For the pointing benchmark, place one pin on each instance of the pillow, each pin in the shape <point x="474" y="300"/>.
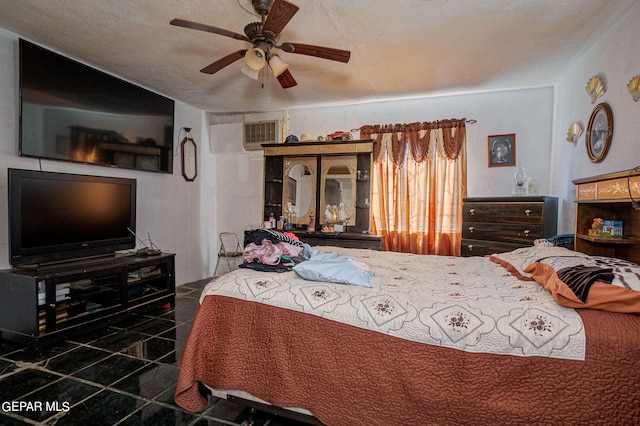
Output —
<point x="594" y="282"/>
<point x="518" y="260"/>
<point x="577" y="280"/>
<point x="334" y="268"/>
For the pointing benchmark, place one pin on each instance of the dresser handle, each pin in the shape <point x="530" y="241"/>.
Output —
<point x="472" y="211"/>
<point x="470" y="247"/>
<point x="526" y="232"/>
<point x="527" y="212"/>
<point x="471" y="228"/>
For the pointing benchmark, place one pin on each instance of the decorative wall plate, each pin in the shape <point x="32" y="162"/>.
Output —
<point x="599" y="132"/>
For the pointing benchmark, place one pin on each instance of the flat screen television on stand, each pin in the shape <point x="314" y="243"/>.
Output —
<point x="57" y="217"/>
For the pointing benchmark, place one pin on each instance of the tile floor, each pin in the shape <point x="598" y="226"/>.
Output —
<point x="124" y="374"/>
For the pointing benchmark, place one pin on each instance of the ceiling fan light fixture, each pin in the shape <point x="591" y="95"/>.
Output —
<point x="278" y="66"/>
<point x="250" y="72"/>
<point x="263" y="36"/>
<point x="255" y="58"/>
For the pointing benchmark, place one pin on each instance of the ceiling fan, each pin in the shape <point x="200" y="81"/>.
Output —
<point x="263" y="35"/>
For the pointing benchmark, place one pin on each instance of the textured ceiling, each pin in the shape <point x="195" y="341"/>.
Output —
<point x="399" y="48"/>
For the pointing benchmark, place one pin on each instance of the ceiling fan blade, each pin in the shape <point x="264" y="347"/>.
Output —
<point x="223" y="62"/>
<point x="208" y="28"/>
<point x="317" y="51"/>
<point x="286" y="80"/>
<point x="279" y="16"/>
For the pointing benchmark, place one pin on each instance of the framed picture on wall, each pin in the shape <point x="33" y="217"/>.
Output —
<point x="599" y="132"/>
<point x="502" y="150"/>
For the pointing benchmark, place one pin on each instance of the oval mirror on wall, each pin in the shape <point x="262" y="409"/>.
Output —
<point x="299" y="192"/>
<point x="338" y="187"/>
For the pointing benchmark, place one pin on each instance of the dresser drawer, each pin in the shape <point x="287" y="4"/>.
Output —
<point x="503" y="212"/>
<point x="499" y="224"/>
<point x="470" y="247"/>
<point x="373" y="244"/>
<point x="520" y="233"/>
<point x="342" y="239"/>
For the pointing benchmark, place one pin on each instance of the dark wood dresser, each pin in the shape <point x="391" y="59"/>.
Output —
<point x="500" y="224"/>
<point x="338" y="239"/>
<point x="342" y="239"/>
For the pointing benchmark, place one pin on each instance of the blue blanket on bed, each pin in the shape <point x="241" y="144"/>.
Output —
<point x="335" y="268"/>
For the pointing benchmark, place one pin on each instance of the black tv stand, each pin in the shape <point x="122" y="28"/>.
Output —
<point x="48" y="304"/>
<point x="45" y="266"/>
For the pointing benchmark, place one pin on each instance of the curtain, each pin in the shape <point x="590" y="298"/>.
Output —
<point x="418" y="182"/>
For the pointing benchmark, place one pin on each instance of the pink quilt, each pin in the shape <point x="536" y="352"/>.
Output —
<point x="347" y="374"/>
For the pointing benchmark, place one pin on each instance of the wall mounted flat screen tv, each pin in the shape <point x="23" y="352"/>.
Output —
<point x="55" y="217"/>
<point x="72" y="112"/>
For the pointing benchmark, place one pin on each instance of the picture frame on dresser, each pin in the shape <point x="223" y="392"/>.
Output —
<point x="502" y="150"/>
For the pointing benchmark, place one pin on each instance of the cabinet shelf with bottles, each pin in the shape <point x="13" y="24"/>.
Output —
<point x="345" y="162"/>
<point x="273" y="187"/>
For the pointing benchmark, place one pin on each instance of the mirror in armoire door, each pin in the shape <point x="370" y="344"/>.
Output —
<point x="299" y="189"/>
<point x="338" y="188"/>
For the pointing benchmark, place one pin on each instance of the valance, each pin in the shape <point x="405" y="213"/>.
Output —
<point x="418" y="137"/>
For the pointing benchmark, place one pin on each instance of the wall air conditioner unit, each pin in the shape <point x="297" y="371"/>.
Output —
<point x="259" y="132"/>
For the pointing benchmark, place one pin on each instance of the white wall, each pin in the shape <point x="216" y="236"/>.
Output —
<point x="526" y="112"/>
<point x="615" y="57"/>
<point x="169" y="208"/>
<point x="540" y="118"/>
<point x="185" y="218"/>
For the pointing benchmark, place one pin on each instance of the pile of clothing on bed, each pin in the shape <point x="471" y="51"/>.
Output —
<point x="272" y="251"/>
<point x="267" y="250"/>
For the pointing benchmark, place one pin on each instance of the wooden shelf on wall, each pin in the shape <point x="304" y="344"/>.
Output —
<point x="608" y="240"/>
<point x="318" y="148"/>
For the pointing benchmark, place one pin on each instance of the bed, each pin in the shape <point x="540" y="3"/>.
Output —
<point x="436" y="340"/>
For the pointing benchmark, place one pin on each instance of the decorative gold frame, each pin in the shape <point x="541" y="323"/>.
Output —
<point x="599" y="132"/>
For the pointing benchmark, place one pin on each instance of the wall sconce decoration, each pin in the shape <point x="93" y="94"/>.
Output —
<point x="595" y="88"/>
<point x="188" y="149"/>
<point x="634" y="87"/>
<point x="574" y="132"/>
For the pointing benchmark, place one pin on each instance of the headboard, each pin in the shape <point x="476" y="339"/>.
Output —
<point x="612" y="196"/>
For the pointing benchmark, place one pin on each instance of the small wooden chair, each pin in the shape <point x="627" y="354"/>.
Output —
<point x="228" y="251"/>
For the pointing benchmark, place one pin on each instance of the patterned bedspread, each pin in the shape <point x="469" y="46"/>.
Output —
<point x="470" y="304"/>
